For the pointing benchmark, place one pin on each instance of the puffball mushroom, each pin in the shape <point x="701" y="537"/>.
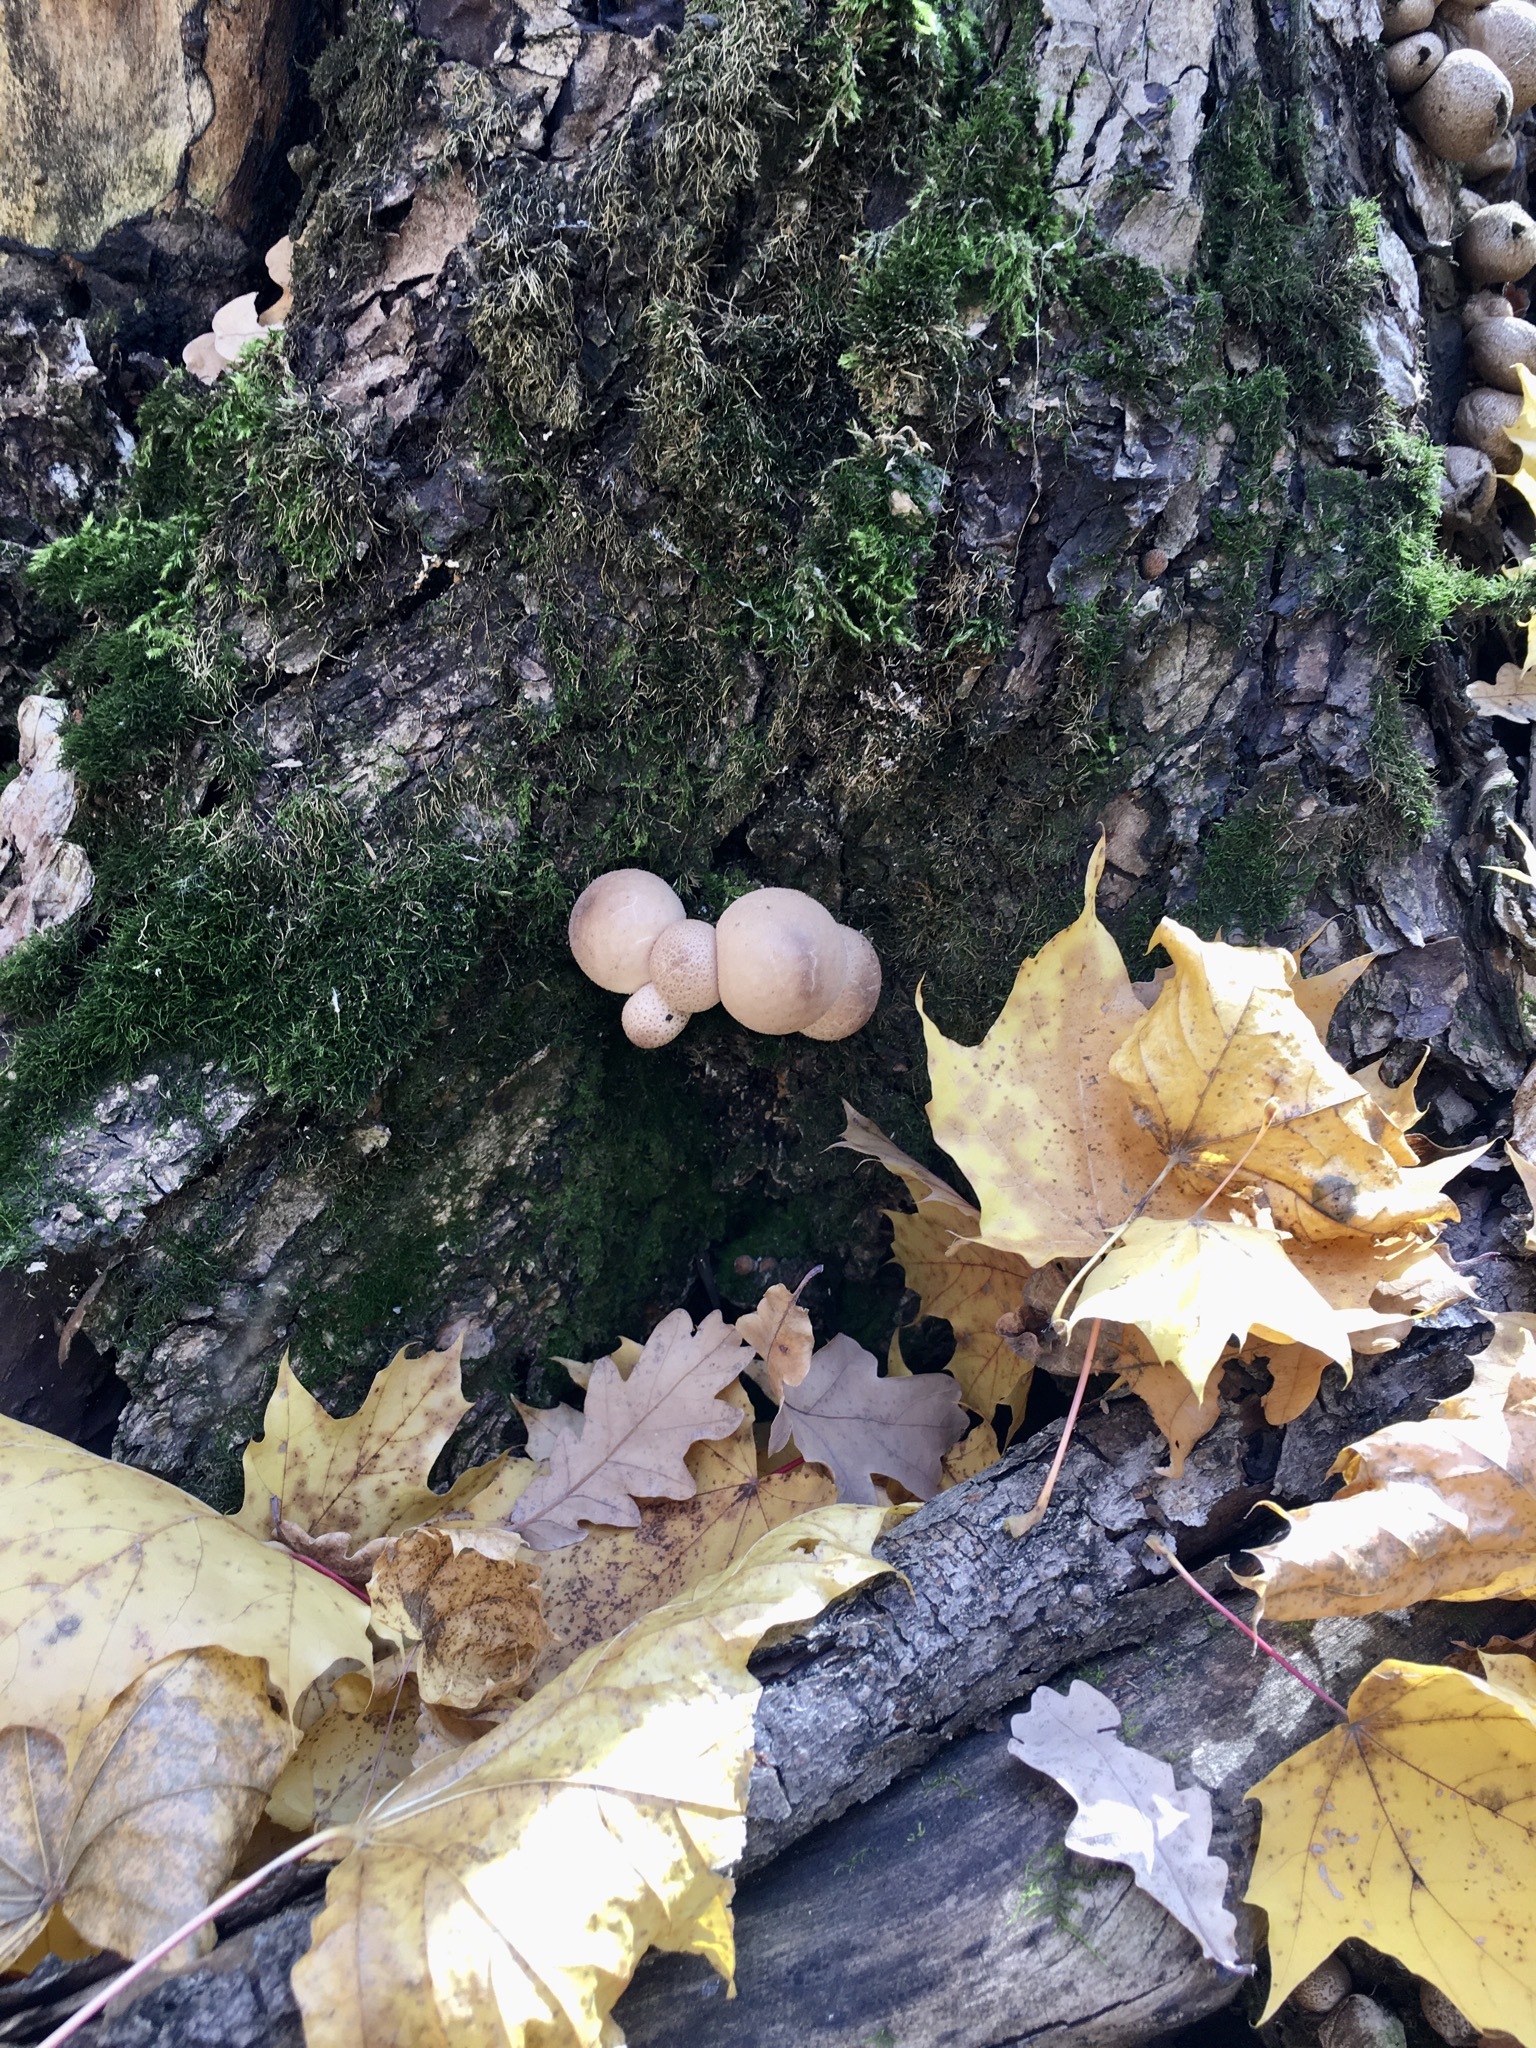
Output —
<point x="781" y="959"/>
<point x="1463" y="108"/>
<point x="1498" y="244"/>
<point x="615" y="922"/>
<point x="1410" y="62"/>
<point x="1496" y="346"/>
<point x="1497" y="161"/>
<point x="1405" y="18"/>
<point x="234" y="324"/>
<point x="861" y="992"/>
<point x="1506" y="32"/>
<point x="1482" y="420"/>
<point x="202" y="358"/>
<point x="683" y="966"/>
<point x="1484" y="306"/>
<point x="649" y="1019"/>
<point x="1468" y="488"/>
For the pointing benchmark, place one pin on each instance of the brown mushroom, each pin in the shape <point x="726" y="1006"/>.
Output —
<point x="649" y="1019"/>
<point x="614" y="924"/>
<point x="1401" y="18"/>
<point x="1410" y="62"/>
<point x="1464" y="107"/>
<point x="1498" y="244"/>
<point x="781" y="960"/>
<point x="683" y="966"/>
<point x="1485" y="305"/>
<point x="1496" y="346"/>
<point x="1482" y="420"/>
<point x="861" y="992"/>
<point x="1327" y="1986"/>
<point x="1468" y="488"/>
<point x="1497" y="161"/>
<point x="1506" y="32"/>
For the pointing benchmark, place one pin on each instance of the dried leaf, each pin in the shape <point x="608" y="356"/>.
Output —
<point x="595" y="1588"/>
<point x="477" y="1619"/>
<point x="1038" y="1127"/>
<point x="546" y="1426"/>
<point x="1526" y="1169"/>
<point x="624" y="1355"/>
<point x="923" y="1185"/>
<point x="846" y="1417"/>
<point x="1409" y="1826"/>
<point x="505" y="1893"/>
<point x="346" y="1758"/>
<point x="1511" y="694"/>
<point x="147" y="1827"/>
<point x="104" y="1570"/>
<point x="1182" y="1416"/>
<point x="1131" y="1811"/>
<point x="973" y="1454"/>
<point x="636" y="1433"/>
<point x="1443" y="1509"/>
<point x="779" y="1331"/>
<point x="1319" y="995"/>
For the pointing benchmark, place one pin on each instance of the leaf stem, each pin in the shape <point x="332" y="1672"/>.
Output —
<point x="1020" y="1525"/>
<point x="1160" y="1549"/>
<point x="84" y="2014"/>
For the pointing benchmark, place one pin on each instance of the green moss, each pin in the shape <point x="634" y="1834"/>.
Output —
<point x="112" y="569"/>
<point x="1256" y="868"/>
<point x="868" y="541"/>
<point x="37" y="977"/>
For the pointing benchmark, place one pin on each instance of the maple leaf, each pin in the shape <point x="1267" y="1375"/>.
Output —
<point x="349" y="1755"/>
<point x="1319" y="995"/>
<point x="779" y="1331"/>
<point x="1131" y="1811"/>
<point x="1191" y="1286"/>
<point x="361" y="1476"/>
<point x="593" y="1589"/>
<point x="146" y="1827"/>
<point x="477" y="1619"/>
<point x="966" y="1283"/>
<point x="1031" y="1114"/>
<point x="1443" y="1509"/>
<point x="846" y="1417"/>
<point x="973" y="1454"/>
<point x="1523" y="434"/>
<point x="506" y="1892"/>
<point x="1182" y="1416"/>
<point x="636" y="1432"/>
<point x="1410" y="1826"/>
<point x="105" y="1569"/>
<point x="1227" y="1073"/>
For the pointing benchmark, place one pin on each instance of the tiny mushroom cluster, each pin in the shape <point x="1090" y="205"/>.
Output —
<point x="1465" y="71"/>
<point x="777" y="961"/>
<point x="238" y="323"/>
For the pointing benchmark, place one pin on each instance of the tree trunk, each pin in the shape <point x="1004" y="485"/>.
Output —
<point x="795" y="444"/>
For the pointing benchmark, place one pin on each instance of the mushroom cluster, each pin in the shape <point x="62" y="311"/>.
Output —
<point x="237" y="322"/>
<point x="777" y="961"/>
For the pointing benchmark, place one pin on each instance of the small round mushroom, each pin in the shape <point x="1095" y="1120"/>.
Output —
<point x="1401" y="18"/>
<point x="1410" y="62"/>
<point x="202" y="358"/>
<point x="683" y="966"/>
<point x="1447" y="2020"/>
<point x="614" y="924"/>
<point x="1496" y="346"/>
<point x="1484" y="306"/>
<point x="1497" y="161"/>
<point x="1482" y="421"/>
<point x="649" y="1019"/>
<point x="861" y="992"/>
<point x="1361" y="2022"/>
<point x="1463" y="108"/>
<point x="234" y="324"/>
<point x="781" y="960"/>
<point x="1506" y="32"/>
<point x="1498" y="244"/>
<point x="1327" y="1986"/>
<point x="1469" y="486"/>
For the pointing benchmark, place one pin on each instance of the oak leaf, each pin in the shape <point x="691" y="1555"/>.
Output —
<point x="636" y="1432"/>
<point x="846" y="1417"/>
<point x="1511" y="694"/>
<point x="104" y="1570"/>
<point x="146" y="1827"/>
<point x="1032" y="1116"/>
<point x="593" y="1589"/>
<point x="1443" y="1509"/>
<point x="1409" y="1826"/>
<point x="623" y="1355"/>
<point x="506" y="1892"/>
<point x="476" y="1621"/>
<point x="1131" y="1811"/>
<point x="779" y="1331"/>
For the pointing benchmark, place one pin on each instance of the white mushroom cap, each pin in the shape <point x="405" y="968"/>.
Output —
<point x="1506" y="32"/>
<point x="1498" y="244"/>
<point x="1482" y="421"/>
<point x="234" y="325"/>
<point x="683" y="966"/>
<point x="1495" y="162"/>
<point x="861" y="992"/>
<point x="649" y="1020"/>
<point x="614" y="924"/>
<point x="1496" y="346"/>
<point x="781" y="960"/>
<point x="280" y="262"/>
<point x="202" y="358"/>
<point x="1405" y="18"/>
<point x="1410" y="62"/>
<point x="1464" y="108"/>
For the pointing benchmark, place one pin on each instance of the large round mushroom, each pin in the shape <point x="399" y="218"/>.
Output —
<point x="855" y="1005"/>
<point x="616" y="921"/>
<point x="781" y="960"/>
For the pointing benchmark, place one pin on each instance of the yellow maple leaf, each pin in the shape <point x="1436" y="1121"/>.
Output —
<point x="105" y="1569"/>
<point x="1191" y="1286"/>
<point x="1523" y="434"/>
<point x="1031" y="1114"/>
<point x="1413" y="1827"/>
<point x="973" y="1454"/>
<point x="1319" y="995"/>
<point x="505" y="1893"/>
<point x="1182" y="1416"/>
<point x="347" y="1757"/>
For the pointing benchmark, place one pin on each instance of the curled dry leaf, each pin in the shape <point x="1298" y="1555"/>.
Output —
<point x="1410" y="1826"/>
<point x="636" y="1433"/>
<point x="506" y="1892"/>
<point x="477" y="1619"/>
<point x="1130" y="1811"/>
<point x="1443" y="1509"/>
<point x="779" y="1331"/>
<point x="846" y="1417"/>
<point x="146" y="1827"/>
<point x="104" y="1570"/>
